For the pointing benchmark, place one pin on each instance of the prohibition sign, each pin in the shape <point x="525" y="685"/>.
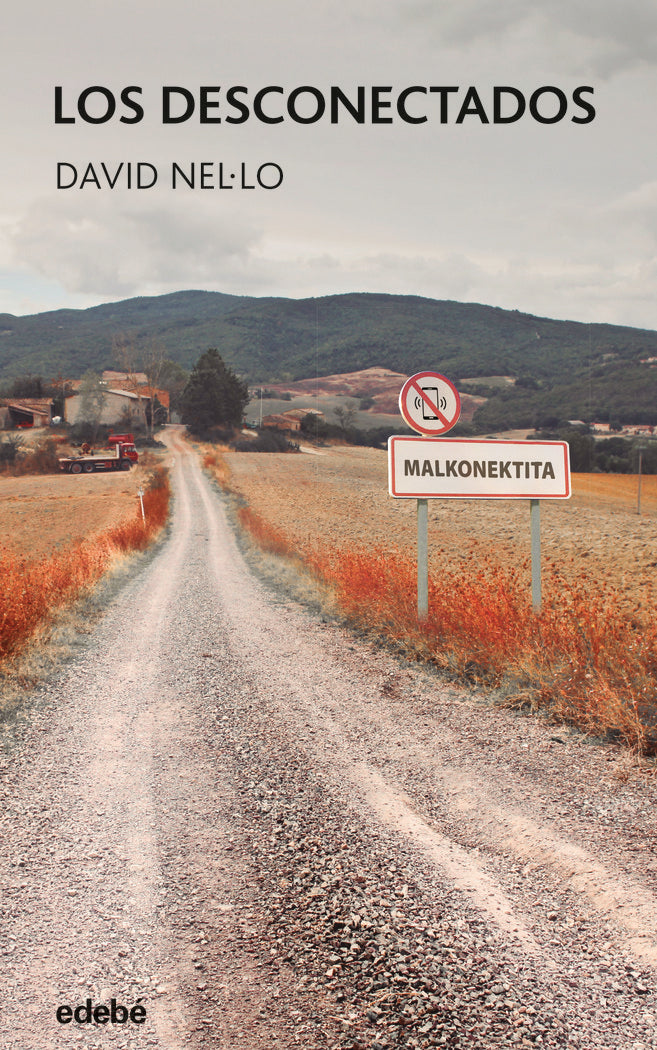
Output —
<point x="430" y="403"/>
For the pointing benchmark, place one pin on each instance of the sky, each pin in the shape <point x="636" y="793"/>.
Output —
<point x="557" y="219"/>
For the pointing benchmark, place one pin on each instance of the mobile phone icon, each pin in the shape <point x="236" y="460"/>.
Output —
<point x="432" y="392"/>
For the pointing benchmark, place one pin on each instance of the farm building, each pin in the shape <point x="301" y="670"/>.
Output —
<point x="143" y="390"/>
<point x="120" y="406"/>
<point x="135" y="379"/>
<point x="25" y="412"/>
<point x="283" y="421"/>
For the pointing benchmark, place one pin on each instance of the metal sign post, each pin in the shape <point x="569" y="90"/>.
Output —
<point x="422" y="559"/>
<point x="535" y="513"/>
<point x="424" y="468"/>
<point x="431" y="405"/>
<point x="638" y="491"/>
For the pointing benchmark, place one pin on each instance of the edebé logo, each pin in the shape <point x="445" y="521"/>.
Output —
<point x="115" y="1013"/>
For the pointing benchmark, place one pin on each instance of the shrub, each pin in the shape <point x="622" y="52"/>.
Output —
<point x="8" y="452"/>
<point x="267" y="441"/>
<point x="214" y="462"/>
<point x="41" y="460"/>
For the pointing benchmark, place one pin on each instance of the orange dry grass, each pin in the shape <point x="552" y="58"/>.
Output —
<point x="267" y="536"/>
<point x="580" y="658"/>
<point x="33" y="590"/>
<point x="215" y="463"/>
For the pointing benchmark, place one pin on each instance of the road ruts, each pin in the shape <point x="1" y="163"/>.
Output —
<point x="270" y="834"/>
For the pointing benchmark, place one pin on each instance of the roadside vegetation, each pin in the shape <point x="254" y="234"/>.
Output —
<point x="41" y="459"/>
<point x="34" y="590"/>
<point x="586" y="660"/>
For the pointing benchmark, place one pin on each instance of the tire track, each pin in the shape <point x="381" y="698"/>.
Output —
<point x="144" y="852"/>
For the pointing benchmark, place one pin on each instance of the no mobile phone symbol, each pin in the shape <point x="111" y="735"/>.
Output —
<point x="430" y="403"/>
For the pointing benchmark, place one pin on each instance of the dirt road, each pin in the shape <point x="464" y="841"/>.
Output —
<point x="252" y="829"/>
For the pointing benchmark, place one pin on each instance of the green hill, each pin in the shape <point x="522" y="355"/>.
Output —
<point x="566" y="369"/>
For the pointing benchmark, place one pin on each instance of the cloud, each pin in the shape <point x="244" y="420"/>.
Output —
<point x="637" y="211"/>
<point x="114" y="248"/>
<point x="605" y="286"/>
<point x="602" y="37"/>
<point x="603" y="263"/>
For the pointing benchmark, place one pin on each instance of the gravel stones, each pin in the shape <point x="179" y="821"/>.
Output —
<point x="186" y="818"/>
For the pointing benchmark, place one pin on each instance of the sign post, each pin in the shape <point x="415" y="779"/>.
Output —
<point x="430" y="404"/>
<point x="422" y="559"/>
<point x="426" y="468"/>
<point x="535" y="513"/>
<point x="469" y="468"/>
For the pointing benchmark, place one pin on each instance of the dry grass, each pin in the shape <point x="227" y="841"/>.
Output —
<point x="617" y="490"/>
<point x="268" y="537"/>
<point x="582" y="659"/>
<point x="41" y="459"/>
<point x="589" y="658"/>
<point x="215" y="462"/>
<point x="35" y="589"/>
<point x="579" y="658"/>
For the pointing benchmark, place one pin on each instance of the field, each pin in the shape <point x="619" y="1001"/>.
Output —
<point x="41" y="514"/>
<point x="341" y="496"/>
<point x="61" y="533"/>
<point x="381" y="386"/>
<point x="591" y="655"/>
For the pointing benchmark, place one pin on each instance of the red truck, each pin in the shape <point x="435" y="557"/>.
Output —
<point x="120" y="455"/>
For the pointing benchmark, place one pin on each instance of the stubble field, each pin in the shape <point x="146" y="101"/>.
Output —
<point x="339" y="496"/>
<point x="44" y="513"/>
<point x="589" y="658"/>
<point x="60" y="535"/>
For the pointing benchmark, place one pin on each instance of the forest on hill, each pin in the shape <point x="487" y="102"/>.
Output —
<point x="562" y="369"/>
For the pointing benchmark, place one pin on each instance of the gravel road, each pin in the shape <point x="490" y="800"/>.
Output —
<point x="254" y="830"/>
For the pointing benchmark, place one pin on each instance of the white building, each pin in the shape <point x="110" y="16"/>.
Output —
<point x="122" y="407"/>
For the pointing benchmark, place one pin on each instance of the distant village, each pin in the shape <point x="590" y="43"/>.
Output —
<point x="128" y="398"/>
<point x="631" y="430"/>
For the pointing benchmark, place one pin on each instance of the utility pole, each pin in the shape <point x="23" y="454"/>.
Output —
<point x="640" y="449"/>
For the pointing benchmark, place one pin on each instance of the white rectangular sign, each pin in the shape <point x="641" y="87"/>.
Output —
<point x="466" y="468"/>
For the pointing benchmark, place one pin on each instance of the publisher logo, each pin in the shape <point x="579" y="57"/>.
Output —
<point x="115" y="1013"/>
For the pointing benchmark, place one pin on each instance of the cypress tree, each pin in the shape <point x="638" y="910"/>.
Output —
<point x="213" y="396"/>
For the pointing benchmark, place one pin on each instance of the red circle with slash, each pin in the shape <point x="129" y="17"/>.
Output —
<point x="430" y="403"/>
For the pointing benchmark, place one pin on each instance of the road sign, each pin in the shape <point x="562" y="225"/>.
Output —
<point x="466" y="468"/>
<point x="429" y="403"/>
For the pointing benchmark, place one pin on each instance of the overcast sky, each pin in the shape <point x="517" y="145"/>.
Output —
<point x="555" y="219"/>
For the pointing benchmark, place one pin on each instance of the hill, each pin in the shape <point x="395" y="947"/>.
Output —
<point x="562" y="369"/>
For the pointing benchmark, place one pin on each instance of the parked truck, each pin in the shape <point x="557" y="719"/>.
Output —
<point x="120" y="454"/>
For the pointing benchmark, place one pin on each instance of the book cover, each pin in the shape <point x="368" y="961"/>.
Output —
<point x="228" y="818"/>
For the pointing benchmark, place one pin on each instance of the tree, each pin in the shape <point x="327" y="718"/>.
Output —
<point x="28" y="386"/>
<point x="155" y="366"/>
<point x="147" y="360"/>
<point x="173" y="378"/>
<point x="346" y="414"/>
<point x="213" y="396"/>
<point x="125" y="352"/>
